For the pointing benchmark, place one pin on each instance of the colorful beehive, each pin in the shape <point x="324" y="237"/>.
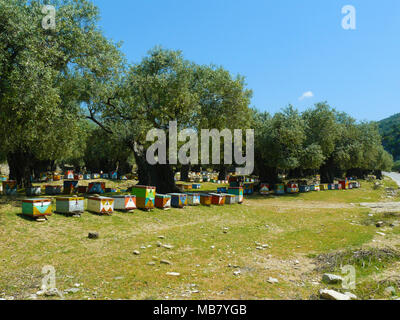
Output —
<point x="238" y="193"/>
<point x="36" y="208"/>
<point x="292" y="188"/>
<point x="111" y="190"/>
<point x="70" y="205"/>
<point x="324" y="187"/>
<point x="236" y="181"/>
<point x="222" y="190"/>
<point x="87" y="176"/>
<point x="304" y="189"/>
<point x="265" y="189"/>
<point x="249" y="188"/>
<point x="56" y="177"/>
<point x="53" y="190"/>
<point x="196" y="186"/>
<point x="344" y="184"/>
<point x="78" y="176"/>
<point x="95" y="176"/>
<point x="205" y="199"/>
<point x="105" y="176"/>
<point x="82" y="189"/>
<point x="217" y="199"/>
<point x="163" y="201"/>
<point x="145" y="197"/>
<point x="354" y="185"/>
<point x="69" y="174"/>
<point x="114" y="175"/>
<point x="101" y="205"/>
<point x="331" y="186"/>
<point x="279" y="189"/>
<point x="338" y="186"/>
<point x="179" y="200"/>
<point x="3" y="178"/>
<point x="229" y="199"/>
<point x="124" y="178"/>
<point x="124" y="203"/>
<point x="33" y="191"/>
<point x="96" y="187"/>
<point x="70" y="186"/>
<point x="315" y="187"/>
<point x="193" y="199"/>
<point x="10" y="187"/>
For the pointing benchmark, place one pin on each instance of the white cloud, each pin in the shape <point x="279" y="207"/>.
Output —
<point x="307" y="95"/>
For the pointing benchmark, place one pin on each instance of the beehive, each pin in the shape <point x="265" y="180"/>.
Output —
<point x="114" y="175"/>
<point x="193" y="199"/>
<point x="124" y="202"/>
<point x="70" y="186"/>
<point x="163" y="201"/>
<point x="56" y="177"/>
<point x="69" y="175"/>
<point x="324" y="187"/>
<point x="36" y="208"/>
<point x="10" y="187"/>
<point x="264" y="189"/>
<point x="178" y="200"/>
<point x="249" y="188"/>
<point x="292" y="188"/>
<point x="105" y="176"/>
<point x="279" y="189"/>
<point x="331" y="186"/>
<point x="230" y="199"/>
<point x="205" y="199"/>
<point x="33" y="191"/>
<point x="53" y="190"/>
<point x="304" y="189"/>
<point x="315" y="187"/>
<point x="78" y="176"/>
<point x="87" y="176"/>
<point x="238" y="193"/>
<point x="101" y="205"/>
<point x="95" y="176"/>
<point x="222" y="190"/>
<point x="70" y="205"/>
<point x="217" y="199"/>
<point x="196" y="186"/>
<point x="338" y="186"/>
<point x="145" y="197"/>
<point x="96" y="188"/>
<point x="344" y="183"/>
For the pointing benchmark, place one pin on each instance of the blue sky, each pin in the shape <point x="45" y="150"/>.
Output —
<point x="284" y="48"/>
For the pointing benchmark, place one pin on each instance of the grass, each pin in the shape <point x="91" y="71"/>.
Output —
<point x="208" y="243"/>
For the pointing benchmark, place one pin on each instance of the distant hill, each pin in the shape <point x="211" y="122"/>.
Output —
<point x="390" y="131"/>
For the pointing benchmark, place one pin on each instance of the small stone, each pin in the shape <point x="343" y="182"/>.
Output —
<point x="136" y="253"/>
<point x="161" y="237"/>
<point x="166" y="262"/>
<point x="169" y="247"/>
<point x="212" y="247"/>
<point x="173" y="274"/>
<point x="72" y="290"/>
<point x="352" y="296"/>
<point x="380" y="224"/>
<point x="52" y="293"/>
<point x="32" y="297"/>
<point x="273" y="280"/>
<point x="331" y="279"/>
<point x="143" y="248"/>
<point x="260" y="248"/>
<point x="151" y="264"/>
<point x="297" y="262"/>
<point x="77" y="285"/>
<point x="381" y="234"/>
<point x="118" y="278"/>
<point x="265" y="246"/>
<point x="390" y="291"/>
<point x="93" y="235"/>
<point x="333" y="295"/>
<point x="237" y="273"/>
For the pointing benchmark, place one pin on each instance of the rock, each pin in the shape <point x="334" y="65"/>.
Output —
<point x="166" y="262"/>
<point x="260" y="248"/>
<point x="380" y="224"/>
<point x="167" y="246"/>
<point x="72" y="291"/>
<point x="273" y="280"/>
<point x="151" y="264"/>
<point x="381" y="234"/>
<point x="93" y="235"/>
<point x="136" y="253"/>
<point x="173" y="274"/>
<point x="52" y="293"/>
<point x="297" y="262"/>
<point x="391" y="291"/>
<point x="161" y="237"/>
<point x="333" y="295"/>
<point x="118" y="278"/>
<point x="32" y="297"/>
<point x="212" y="247"/>
<point x="237" y="273"/>
<point x="331" y="279"/>
<point x="352" y="296"/>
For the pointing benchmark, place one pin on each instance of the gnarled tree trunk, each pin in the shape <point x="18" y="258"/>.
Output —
<point x="21" y="166"/>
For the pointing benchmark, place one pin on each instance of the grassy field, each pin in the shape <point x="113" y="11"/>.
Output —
<point x="225" y="252"/>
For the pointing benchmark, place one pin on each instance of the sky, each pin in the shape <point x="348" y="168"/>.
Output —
<point x="290" y="51"/>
